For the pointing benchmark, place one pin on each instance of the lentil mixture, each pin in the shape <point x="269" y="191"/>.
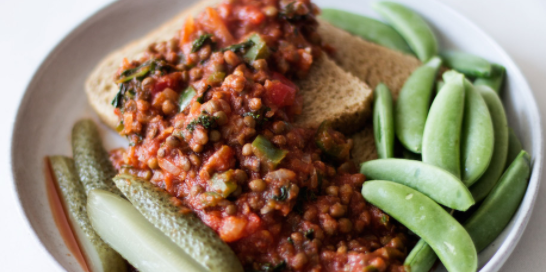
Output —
<point x="209" y="116"/>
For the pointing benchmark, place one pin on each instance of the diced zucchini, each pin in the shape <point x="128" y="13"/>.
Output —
<point x="258" y="51"/>
<point x="224" y="183"/>
<point x="266" y="152"/>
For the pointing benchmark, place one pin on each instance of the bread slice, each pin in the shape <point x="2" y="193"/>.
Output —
<point x="369" y="62"/>
<point x="364" y="145"/>
<point x="329" y="92"/>
<point x="100" y="86"/>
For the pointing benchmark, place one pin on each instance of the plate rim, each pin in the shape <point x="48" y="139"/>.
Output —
<point x="496" y="261"/>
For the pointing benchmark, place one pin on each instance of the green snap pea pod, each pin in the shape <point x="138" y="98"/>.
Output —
<point x="487" y="181"/>
<point x="468" y="64"/>
<point x="421" y="258"/>
<point x="426" y="218"/>
<point x="501" y="204"/>
<point x="514" y="147"/>
<point x="413" y="105"/>
<point x="442" y="135"/>
<point x="98" y="255"/>
<point x="436" y="183"/>
<point x="369" y="29"/>
<point x="411" y="26"/>
<point x="184" y="229"/>
<point x="91" y="159"/>
<point x="383" y="122"/>
<point x="477" y="137"/>
<point x="135" y="238"/>
<point x="495" y="80"/>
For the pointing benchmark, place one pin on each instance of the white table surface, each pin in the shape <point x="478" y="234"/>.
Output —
<point x="30" y="29"/>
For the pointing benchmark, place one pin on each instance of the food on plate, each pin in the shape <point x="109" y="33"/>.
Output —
<point x="134" y="237"/>
<point x="446" y="236"/>
<point x="477" y="136"/>
<point x="490" y="177"/>
<point x="91" y="160"/>
<point x="468" y="64"/>
<point x="411" y="26"/>
<point x="367" y="28"/>
<point x="495" y="80"/>
<point x="99" y="256"/>
<point x="436" y="183"/>
<point x="246" y="121"/>
<point x="383" y="121"/>
<point x="413" y="103"/>
<point x="514" y="147"/>
<point x="442" y="134"/>
<point x="185" y="229"/>
<point x="501" y="204"/>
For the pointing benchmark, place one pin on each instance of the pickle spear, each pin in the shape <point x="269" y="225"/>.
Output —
<point x="98" y="255"/>
<point x="91" y="159"/>
<point x="183" y="228"/>
<point x="143" y="245"/>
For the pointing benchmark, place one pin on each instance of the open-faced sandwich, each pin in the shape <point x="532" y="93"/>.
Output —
<point x="247" y="121"/>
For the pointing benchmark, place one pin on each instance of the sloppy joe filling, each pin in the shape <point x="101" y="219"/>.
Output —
<point x="209" y="117"/>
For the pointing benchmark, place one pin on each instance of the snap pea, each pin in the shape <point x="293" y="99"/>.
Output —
<point x="367" y="28"/>
<point x="411" y="26"/>
<point x="426" y="218"/>
<point x="468" y="64"/>
<point x="185" y="229"/>
<point x="477" y="137"/>
<point x="436" y="183"/>
<point x="442" y="135"/>
<point x="413" y="105"/>
<point x="501" y="204"/>
<point x="495" y="80"/>
<point x="99" y="256"/>
<point x="383" y="123"/>
<point x="91" y="159"/>
<point x="487" y="181"/>
<point x="514" y="147"/>
<point x="421" y="258"/>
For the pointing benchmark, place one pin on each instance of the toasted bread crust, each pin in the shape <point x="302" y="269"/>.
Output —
<point x="342" y="97"/>
<point x="100" y="87"/>
<point x="369" y="62"/>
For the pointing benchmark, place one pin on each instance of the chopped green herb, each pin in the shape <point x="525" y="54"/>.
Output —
<point x="310" y="234"/>
<point x="206" y="121"/>
<point x="289" y="239"/>
<point x="240" y="47"/>
<point x="257" y="51"/>
<point x="144" y="69"/>
<point x="199" y="42"/>
<point x="384" y="219"/>
<point x="283" y="194"/>
<point x="259" y="115"/>
<point x="288" y="13"/>
<point x="186" y="97"/>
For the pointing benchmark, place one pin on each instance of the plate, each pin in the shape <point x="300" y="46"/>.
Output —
<point x="55" y="99"/>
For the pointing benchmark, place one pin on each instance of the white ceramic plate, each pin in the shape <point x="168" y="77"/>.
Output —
<point x="55" y="99"/>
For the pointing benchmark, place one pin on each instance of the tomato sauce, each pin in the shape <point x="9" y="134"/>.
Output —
<point x="209" y="116"/>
